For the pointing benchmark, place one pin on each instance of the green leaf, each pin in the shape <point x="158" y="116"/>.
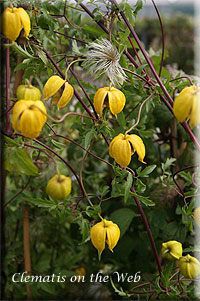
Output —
<point x="94" y="30"/>
<point x="139" y="186"/>
<point x="41" y="203"/>
<point x="147" y="171"/>
<point x="122" y="217"/>
<point x="146" y="201"/>
<point x="84" y="229"/>
<point x="23" y="163"/>
<point x="88" y="138"/>
<point x="138" y="7"/>
<point x="168" y="163"/>
<point x="128" y="184"/>
<point x="10" y="141"/>
<point x="121" y="120"/>
<point x="57" y="144"/>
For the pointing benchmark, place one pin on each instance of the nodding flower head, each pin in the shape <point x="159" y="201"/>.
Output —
<point x="104" y="232"/>
<point x="171" y="250"/>
<point x="103" y="58"/>
<point x="189" y="266"/>
<point x="122" y="147"/>
<point x="187" y="105"/>
<point x="52" y="87"/>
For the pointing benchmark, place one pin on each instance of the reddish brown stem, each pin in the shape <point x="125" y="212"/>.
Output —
<point x="143" y="216"/>
<point x="27" y="257"/>
<point x="163" y="37"/>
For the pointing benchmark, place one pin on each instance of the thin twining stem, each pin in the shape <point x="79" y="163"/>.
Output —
<point x="139" y="113"/>
<point x="70" y="64"/>
<point x="134" y="73"/>
<point x="64" y="161"/>
<point x="81" y="172"/>
<point x="185" y="76"/>
<point x="163" y="37"/>
<point x="79" y="145"/>
<point x="63" y="117"/>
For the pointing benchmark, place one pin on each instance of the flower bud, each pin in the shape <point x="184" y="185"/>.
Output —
<point x="28" y="92"/>
<point x="59" y="187"/>
<point x="29" y="117"/>
<point x="122" y="147"/>
<point x="189" y="266"/>
<point x="104" y="231"/>
<point x="172" y="250"/>
<point x="187" y="105"/>
<point x="109" y="97"/>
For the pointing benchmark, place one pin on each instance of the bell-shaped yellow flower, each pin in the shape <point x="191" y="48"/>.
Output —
<point x="187" y="105"/>
<point x="109" y="97"/>
<point x="59" y="187"/>
<point x="189" y="266"/>
<point x="14" y="20"/>
<point x="197" y="216"/>
<point x="29" y="117"/>
<point x="52" y="87"/>
<point x="104" y="231"/>
<point x="122" y="147"/>
<point x="172" y="250"/>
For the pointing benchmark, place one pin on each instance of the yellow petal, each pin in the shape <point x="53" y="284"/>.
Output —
<point x="98" y="236"/>
<point x="172" y="250"/>
<point x="197" y="216"/>
<point x="99" y="99"/>
<point x="11" y="23"/>
<point x="30" y="124"/>
<point x="137" y="145"/>
<point x="52" y="86"/>
<point x="18" y="108"/>
<point x="183" y="103"/>
<point x="120" y="137"/>
<point x="121" y="151"/>
<point x="25" y="20"/>
<point x="113" y="234"/>
<point x="41" y="109"/>
<point x="189" y="266"/>
<point x="66" y="96"/>
<point x="195" y="113"/>
<point x="116" y="100"/>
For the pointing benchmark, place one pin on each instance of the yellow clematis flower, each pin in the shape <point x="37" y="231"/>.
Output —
<point x="187" y="105"/>
<point x="52" y="86"/>
<point x="29" y="117"/>
<point x="122" y="147"/>
<point x="14" y="20"/>
<point x="109" y="97"/>
<point x="104" y="231"/>
<point x="197" y="216"/>
<point x="189" y="266"/>
<point x="59" y="187"/>
<point x="172" y="250"/>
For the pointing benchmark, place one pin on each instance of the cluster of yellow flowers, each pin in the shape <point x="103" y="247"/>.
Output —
<point x="189" y="265"/>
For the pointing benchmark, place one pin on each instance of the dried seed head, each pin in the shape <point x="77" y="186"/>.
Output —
<point x="103" y="58"/>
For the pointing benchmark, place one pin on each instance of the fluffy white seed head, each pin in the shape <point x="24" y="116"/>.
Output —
<point x="103" y="58"/>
